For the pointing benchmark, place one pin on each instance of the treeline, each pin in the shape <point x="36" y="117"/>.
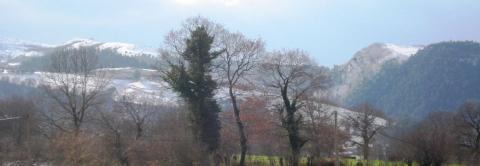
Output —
<point x="441" y="137"/>
<point x="276" y="109"/>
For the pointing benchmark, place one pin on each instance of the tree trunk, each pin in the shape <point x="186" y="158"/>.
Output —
<point x="217" y="159"/>
<point x="227" y="160"/>
<point x="295" y="158"/>
<point x="139" y="131"/>
<point x="296" y="141"/>
<point x="310" y="160"/>
<point x="241" y="132"/>
<point x="76" y="126"/>
<point x="119" y="151"/>
<point x="205" y="159"/>
<point x="409" y="162"/>
<point x="438" y="163"/>
<point x="366" y="150"/>
<point x="425" y="162"/>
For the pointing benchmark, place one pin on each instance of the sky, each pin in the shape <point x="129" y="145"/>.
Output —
<point x="331" y="31"/>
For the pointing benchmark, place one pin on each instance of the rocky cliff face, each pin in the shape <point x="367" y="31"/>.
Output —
<point x="365" y="64"/>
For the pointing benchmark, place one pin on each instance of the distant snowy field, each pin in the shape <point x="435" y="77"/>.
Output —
<point x="123" y="84"/>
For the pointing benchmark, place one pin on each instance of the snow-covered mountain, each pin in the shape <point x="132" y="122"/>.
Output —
<point x="12" y="48"/>
<point x="365" y="64"/>
<point x="125" y="49"/>
<point x="17" y="51"/>
<point x="17" y="55"/>
<point x="441" y="76"/>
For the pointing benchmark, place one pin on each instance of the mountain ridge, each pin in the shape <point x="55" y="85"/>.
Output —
<point x="15" y="47"/>
<point x="365" y="64"/>
<point x="442" y="76"/>
<point x="30" y="56"/>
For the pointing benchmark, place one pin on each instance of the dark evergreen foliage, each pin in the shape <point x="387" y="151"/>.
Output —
<point x="193" y="82"/>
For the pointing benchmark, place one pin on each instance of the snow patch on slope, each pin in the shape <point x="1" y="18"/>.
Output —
<point x="124" y="48"/>
<point x="142" y="88"/>
<point x="403" y="50"/>
<point x="80" y="42"/>
<point x="11" y="48"/>
<point x="365" y="64"/>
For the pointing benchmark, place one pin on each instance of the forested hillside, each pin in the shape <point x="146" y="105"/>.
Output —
<point x="439" y="77"/>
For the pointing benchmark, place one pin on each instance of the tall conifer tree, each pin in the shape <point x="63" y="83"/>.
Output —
<point x="192" y="80"/>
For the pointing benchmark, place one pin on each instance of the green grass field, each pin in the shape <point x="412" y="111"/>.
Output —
<point x="257" y="160"/>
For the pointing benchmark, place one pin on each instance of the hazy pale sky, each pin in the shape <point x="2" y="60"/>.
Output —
<point x="330" y="30"/>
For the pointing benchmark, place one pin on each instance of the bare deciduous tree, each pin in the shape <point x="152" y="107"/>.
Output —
<point x="138" y="108"/>
<point x="291" y="76"/>
<point x="20" y="138"/>
<point x="238" y="60"/>
<point x="367" y="124"/>
<point x="74" y="86"/>
<point x="320" y="128"/>
<point x="433" y="139"/>
<point x="128" y="127"/>
<point x="111" y="121"/>
<point x="467" y="119"/>
<point x="175" y="39"/>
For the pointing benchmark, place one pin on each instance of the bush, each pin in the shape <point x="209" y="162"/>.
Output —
<point x="81" y="149"/>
